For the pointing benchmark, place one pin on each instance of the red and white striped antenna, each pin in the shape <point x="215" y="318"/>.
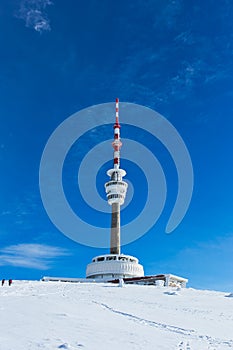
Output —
<point x="117" y="142"/>
<point x="117" y="110"/>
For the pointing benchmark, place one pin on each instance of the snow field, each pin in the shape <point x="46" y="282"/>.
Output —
<point x="55" y="315"/>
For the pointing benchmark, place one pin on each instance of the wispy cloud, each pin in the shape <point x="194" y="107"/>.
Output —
<point x="33" y="12"/>
<point x="37" y="256"/>
<point x="170" y="12"/>
<point x="185" y="37"/>
<point x="186" y="78"/>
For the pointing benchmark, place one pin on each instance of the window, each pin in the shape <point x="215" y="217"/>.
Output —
<point x="101" y="258"/>
<point x="122" y="258"/>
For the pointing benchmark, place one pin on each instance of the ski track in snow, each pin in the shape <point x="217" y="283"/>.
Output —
<point x="148" y="322"/>
<point x="161" y="326"/>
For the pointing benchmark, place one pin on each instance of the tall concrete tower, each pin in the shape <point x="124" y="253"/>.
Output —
<point x="115" y="265"/>
<point x="116" y="188"/>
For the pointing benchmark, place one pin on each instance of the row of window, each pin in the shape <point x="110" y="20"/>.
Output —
<point x="108" y="258"/>
<point x="116" y="183"/>
<point x="115" y="196"/>
<point x="108" y="275"/>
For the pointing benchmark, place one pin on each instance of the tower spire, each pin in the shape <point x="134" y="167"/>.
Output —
<point x="117" y="142"/>
<point x="116" y="188"/>
<point x="117" y="110"/>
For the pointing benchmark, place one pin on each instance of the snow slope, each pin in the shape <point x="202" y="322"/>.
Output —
<point x="53" y="315"/>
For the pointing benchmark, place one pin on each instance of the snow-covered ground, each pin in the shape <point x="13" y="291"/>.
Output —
<point x="53" y="315"/>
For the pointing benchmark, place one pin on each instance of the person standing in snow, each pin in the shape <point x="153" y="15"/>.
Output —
<point x="10" y="282"/>
<point x="3" y="281"/>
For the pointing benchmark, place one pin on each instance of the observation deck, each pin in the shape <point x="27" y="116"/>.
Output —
<point x="116" y="191"/>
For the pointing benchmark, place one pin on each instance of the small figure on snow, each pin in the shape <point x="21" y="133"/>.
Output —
<point x="3" y="281"/>
<point x="10" y="282"/>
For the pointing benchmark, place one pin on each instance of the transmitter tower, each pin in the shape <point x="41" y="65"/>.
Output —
<point x="115" y="265"/>
<point x="116" y="188"/>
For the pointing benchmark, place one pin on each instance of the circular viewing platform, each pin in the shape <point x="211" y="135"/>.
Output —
<point x="116" y="191"/>
<point x="112" y="266"/>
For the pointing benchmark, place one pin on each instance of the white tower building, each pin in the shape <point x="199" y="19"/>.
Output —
<point x="115" y="265"/>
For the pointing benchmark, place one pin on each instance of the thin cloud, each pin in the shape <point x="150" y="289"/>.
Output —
<point x="171" y="12"/>
<point x="33" y="12"/>
<point x="186" y="78"/>
<point x="37" y="256"/>
<point x="185" y="37"/>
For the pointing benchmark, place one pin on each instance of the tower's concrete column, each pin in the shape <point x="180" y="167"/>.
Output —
<point x="115" y="229"/>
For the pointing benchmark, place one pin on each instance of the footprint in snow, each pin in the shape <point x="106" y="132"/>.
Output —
<point x="171" y="293"/>
<point x="64" y="346"/>
<point x="68" y="347"/>
<point x="184" y="346"/>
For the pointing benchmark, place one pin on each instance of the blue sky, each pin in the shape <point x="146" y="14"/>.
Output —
<point x="175" y="57"/>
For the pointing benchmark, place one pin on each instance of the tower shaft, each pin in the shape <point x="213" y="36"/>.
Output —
<point x="115" y="229"/>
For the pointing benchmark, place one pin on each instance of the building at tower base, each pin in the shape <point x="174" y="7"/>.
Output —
<point x="165" y="280"/>
<point x="114" y="266"/>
